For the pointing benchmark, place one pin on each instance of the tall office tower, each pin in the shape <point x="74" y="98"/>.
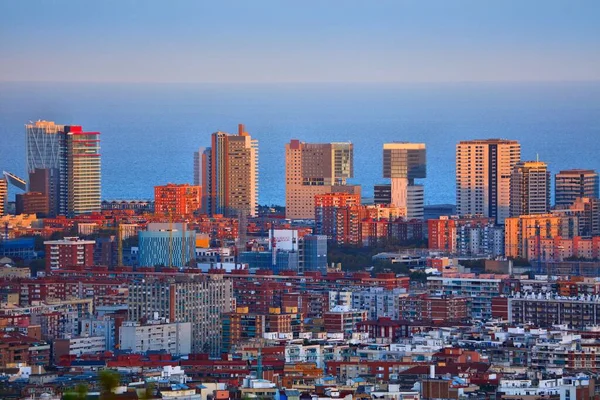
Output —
<point x="574" y="183"/>
<point x="3" y="195"/>
<point x="198" y="299"/>
<point x="72" y="160"/>
<point x="230" y="174"/>
<point x="312" y="169"/>
<point x="82" y="175"/>
<point x="529" y="189"/>
<point x="177" y="200"/>
<point x="45" y="150"/>
<point x="403" y="163"/>
<point x="483" y="171"/>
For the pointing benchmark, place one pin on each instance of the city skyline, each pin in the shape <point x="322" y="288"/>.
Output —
<point x="386" y="41"/>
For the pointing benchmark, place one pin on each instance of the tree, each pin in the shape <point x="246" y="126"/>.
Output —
<point x="80" y="393"/>
<point x="109" y="380"/>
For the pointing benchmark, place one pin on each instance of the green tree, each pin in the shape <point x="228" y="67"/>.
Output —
<point x="80" y="393"/>
<point x="109" y="380"/>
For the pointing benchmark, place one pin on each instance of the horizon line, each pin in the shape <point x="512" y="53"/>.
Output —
<point x="300" y="82"/>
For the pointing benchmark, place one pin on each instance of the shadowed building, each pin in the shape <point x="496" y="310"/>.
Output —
<point x="483" y="171"/>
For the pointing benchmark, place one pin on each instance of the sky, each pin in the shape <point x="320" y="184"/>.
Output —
<point x="261" y="41"/>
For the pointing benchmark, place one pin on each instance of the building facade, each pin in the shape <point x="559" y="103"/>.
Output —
<point x="177" y="200"/>
<point x="529" y="188"/>
<point x="69" y="252"/>
<point x="314" y="169"/>
<point x="337" y="216"/>
<point x="402" y="164"/>
<point x="230" y="174"/>
<point x="483" y="171"/>
<point x="3" y="195"/>
<point x="169" y="245"/>
<point x="312" y="250"/>
<point x="199" y="300"/>
<point x="466" y="236"/>
<point x="574" y="183"/>
<point x="174" y="337"/>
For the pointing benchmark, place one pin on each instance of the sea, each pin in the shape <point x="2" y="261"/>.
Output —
<point x="149" y="132"/>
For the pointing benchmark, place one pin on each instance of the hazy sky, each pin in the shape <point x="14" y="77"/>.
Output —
<point x="299" y="40"/>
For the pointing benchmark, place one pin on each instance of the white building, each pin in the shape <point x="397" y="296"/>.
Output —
<point x="175" y="338"/>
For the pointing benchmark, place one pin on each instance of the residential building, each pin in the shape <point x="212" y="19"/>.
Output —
<point x="483" y="171"/>
<point x="200" y="300"/>
<point x="529" y="188"/>
<point x="315" y="169"/>
<point x="78" y="346"/>
<point x="69" y="252"/>
<point x="342" y="319"/>
<point x="337" y="216"/>
<point x="517" y="231"/>
<point x="156" y="335"/>
<point x="80" y="172"/>
<point x="480" y="289"/>
<point x="466" y="236"/>
<point x="177" y="200"/>
<point x="170" y="245"/>
<point x="587" y="212"/>
<point x="545" y="310"/>
<point x="573" y="183"/>
<point x="403" y="163"/>
<point x="230" y="174"/>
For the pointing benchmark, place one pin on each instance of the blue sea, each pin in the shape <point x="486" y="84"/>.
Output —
<point x="150" y="131"/>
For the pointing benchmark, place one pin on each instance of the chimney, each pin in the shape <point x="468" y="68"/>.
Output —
<point x="241" y="129"/>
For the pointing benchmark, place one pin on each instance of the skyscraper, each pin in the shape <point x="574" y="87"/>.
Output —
<point x="82" y="173"/>
<point x="483" y="171"/>
<point x="403" y="163"/>
<point x="198" y="167"/>
<point x="312" y="169"/>
<point x="529" y="188"/>
<point x="3" y="195"/>
<point x="230" y="174"/>
<point x="64" y="161"/>
<point x="574" y="183"/>
<point x="45" y="152"/>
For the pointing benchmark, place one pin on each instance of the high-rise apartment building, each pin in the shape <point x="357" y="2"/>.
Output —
<point x="312" y="169"/>
<point x="83" y="178"/>
<point x="483" y="171"/>
<point x="529" y="188"/>
<point x="64" y="164"/>
<point x="573" y="183"/>
<point x="338" y="216"/>
<point x="3" y="195"/>
<point x="200" y="300"/>
<point x="230" y="174"/>
<point x="198" y="167"/>
<point x="403" y="163"/>
<point x="177" y="200"/>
